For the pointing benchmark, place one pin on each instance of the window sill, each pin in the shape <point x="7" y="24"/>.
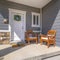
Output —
<point x="35" y="26"/>
<point x="4" y="31"/>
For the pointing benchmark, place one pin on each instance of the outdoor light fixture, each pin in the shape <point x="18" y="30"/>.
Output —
<point x="5" y="21"/>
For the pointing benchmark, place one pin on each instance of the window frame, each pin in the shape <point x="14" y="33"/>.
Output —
<point x="36" y="14"/>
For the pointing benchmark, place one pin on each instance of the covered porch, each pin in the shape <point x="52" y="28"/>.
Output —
<point x="47" y="14"/>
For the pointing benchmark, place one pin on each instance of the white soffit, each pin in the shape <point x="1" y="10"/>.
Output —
<point x="33" y="3"/>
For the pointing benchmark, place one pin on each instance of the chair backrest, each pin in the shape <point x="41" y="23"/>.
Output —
<point x="28" y="33"/>
<point x="52" y="33"/>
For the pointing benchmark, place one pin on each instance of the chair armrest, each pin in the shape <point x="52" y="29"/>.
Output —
<point x="42" y="35"/>
<point x="51" y="37"/>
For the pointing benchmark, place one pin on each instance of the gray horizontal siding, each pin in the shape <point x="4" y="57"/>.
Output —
<point x="56" y="26"/>
<point x="3" y="28"/>
<point x="2" y="25"/>
<point x="58" y="43"/>
<point x="4" y="13"/>
<point x="51" y="18"/>
<point x="29" y="22"/>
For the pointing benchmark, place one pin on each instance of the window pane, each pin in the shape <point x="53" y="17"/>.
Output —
<point x="34" y="19"/>
<point x="37" y="20"/>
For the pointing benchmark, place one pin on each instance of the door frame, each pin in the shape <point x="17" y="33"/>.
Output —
<point x="18" y="11"/>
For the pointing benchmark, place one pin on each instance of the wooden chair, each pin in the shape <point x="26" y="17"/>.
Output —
<point x="50" y="38"/>
<point x="30" y="35"/>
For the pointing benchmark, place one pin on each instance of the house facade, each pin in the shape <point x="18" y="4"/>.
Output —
<point x="47" y="17"/>
<point x="12" y="12"/>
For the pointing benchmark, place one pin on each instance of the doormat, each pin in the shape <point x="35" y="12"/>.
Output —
<point x="45" y="56"/>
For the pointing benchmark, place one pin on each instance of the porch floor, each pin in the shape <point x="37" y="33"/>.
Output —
<point x="21" y="53"/>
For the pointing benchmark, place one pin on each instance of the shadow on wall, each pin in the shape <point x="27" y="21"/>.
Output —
<point x="51" y="14"/>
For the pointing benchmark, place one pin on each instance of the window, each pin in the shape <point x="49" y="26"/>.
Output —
<point x="35" y="20"/>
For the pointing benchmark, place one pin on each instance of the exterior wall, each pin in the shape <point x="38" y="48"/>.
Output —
<point x="51" y="18"/>
<point x="4" y="13"/>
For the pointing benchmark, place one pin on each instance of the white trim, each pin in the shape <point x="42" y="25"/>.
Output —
<point x="4" y="31"/>
<point x="34" y="13"/>
<point x="15" y="10"/>
<point x="18" y="11"/>
<point x="36" y="31"/>
<point x="24" y="12"/>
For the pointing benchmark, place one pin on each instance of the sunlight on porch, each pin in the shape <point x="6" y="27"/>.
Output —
<point x="28" y="51"/>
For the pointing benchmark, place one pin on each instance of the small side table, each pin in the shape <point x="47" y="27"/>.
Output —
<point x="38" y="34"/>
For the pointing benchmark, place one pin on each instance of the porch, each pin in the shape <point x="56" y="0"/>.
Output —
<point x="28" y="52"/>
<point x="16" y="17"/>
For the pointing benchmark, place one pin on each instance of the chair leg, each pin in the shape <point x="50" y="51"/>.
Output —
<point x="54" y="44"/>
<point x="41" y="41"/>
<point x="36" y="41"/>
<point x="28" y="42"/>
<point x="48" y="45"/>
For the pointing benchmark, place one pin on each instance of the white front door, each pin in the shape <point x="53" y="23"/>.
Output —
<point x="17" y="26"/>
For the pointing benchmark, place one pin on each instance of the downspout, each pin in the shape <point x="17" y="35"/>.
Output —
<point x="40" y="20"/>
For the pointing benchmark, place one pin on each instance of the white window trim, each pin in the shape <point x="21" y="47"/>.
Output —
<point x="33" y="13"/>
<point x="35" y="31"/>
